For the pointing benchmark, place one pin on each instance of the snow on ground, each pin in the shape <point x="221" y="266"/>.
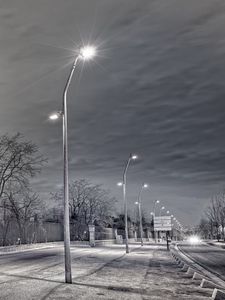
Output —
<point x="106" y="272"/>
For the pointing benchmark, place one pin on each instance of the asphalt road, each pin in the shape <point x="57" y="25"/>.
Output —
<point x="210" y="257"/>
<point x="107" y="273"/>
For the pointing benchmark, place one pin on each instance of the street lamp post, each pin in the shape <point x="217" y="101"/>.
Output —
<point x="162" y="208"/>
<point x="131" y="157"/>
<point x="175" y="229"/>
<point x="160" y="214"/>
<point x="155" y="202"/>
<point x="154" y="207"/>
<point x="85" y="53"/>
<point x="144" y="186"/>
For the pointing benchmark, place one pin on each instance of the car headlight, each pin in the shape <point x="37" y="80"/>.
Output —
<point x="194" y="240"/>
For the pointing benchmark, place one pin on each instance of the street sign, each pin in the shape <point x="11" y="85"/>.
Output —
<point x="162" y="223"/>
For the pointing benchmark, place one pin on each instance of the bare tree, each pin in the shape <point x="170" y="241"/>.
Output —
<point x="23" y="205"/>
<point x="213" y="214"/>
<point x="20" y="160"/>
<point x="89" y="204"/>
<point x="5" y="219"/>
<point x="205" y="229"/>
<point x="216" y="214"/>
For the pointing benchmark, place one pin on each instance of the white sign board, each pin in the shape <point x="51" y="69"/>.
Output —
<point x="163" y="223"/>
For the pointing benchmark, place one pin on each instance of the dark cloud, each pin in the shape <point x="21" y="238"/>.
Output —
<point x="156" y="88"/>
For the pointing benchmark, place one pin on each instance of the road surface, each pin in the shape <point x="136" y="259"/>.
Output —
<point x="106" y="272"/>
<point x="210" y="257"/>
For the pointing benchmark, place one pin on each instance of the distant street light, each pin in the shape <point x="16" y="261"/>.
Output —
<point x="54" y="116"/>
<point x="123" y="183"/>
<point x="154" y="207"/>
<point x="144" y="186"/>
<point x="85" y="53"/>
<point x="168" y="212"/>
<point x="160" y="212"/>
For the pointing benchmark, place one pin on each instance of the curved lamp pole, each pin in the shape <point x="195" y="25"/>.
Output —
<point x="85" y="53"/>
<point x="123" y="184"/>
<point x="144" y="186"/>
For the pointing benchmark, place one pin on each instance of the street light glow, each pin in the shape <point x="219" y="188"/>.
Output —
<point x="87" y="52"/>
<point x="168" y="212"/>
<point x="134" y="156"/>
<point x="119" y="183"/>
<point x="163" y="207"/>
<point x="157" y="201"/>
<point x="145" y="185"/>
<point x="136" y="202"/>
<point x="54" y="116"/>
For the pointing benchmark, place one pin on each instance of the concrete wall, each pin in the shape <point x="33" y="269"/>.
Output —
<point x="53" y="231"/>
<point x="35" y="233"/>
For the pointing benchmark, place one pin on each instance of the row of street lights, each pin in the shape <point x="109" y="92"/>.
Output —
<point x="138" y="202"/>
<point x="153" y="213"/>
<point x="86" y="53"/>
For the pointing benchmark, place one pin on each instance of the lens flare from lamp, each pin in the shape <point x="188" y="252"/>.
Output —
<point x="87" y="52"/>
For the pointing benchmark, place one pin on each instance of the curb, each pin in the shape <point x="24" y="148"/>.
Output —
<point x="218" y="295"/>
<point x="203" y="278"/>
<point x="208" y="284"/>
<point x="205" y="273"/>
<point x="197" y="276"/>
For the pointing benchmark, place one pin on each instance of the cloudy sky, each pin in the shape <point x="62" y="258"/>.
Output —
<point x="156" y="88"/>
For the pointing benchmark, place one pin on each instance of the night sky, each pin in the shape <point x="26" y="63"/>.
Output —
<point x="156" y="88"/>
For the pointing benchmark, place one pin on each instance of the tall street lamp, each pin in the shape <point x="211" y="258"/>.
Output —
<point x="154" y="207"/>
<point x="162" y="208"/>
<point x="85" y="53"/>
<point x="123" y="184"/>
<point x="144" y="186"/>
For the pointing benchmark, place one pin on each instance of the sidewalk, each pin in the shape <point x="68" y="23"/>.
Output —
<point x="145" y="273"/>
<point x="103" y="272"/>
